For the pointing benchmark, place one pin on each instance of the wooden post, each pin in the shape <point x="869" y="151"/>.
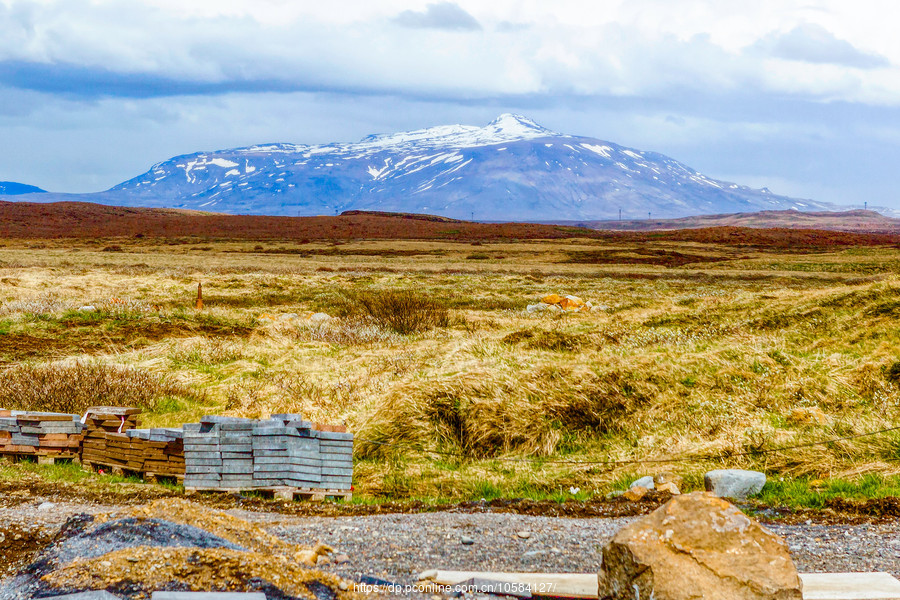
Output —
<point x="199" y="296"/>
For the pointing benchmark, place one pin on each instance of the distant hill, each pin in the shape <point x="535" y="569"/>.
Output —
<point x="11" y="188"/>
<point x="862" y="221"/>
<point x="31" y="220"/>
<point x="512" y="169"/>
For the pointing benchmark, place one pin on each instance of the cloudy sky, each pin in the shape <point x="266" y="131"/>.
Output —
<point x="802" y="96"/>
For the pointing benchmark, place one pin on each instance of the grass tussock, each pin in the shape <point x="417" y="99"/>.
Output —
<point x="73" y="387"/>
<point x="402" y="311"/>
<point x="206" y="352"/>
<point x="346" y="332"/>
<point x="481" y="416"/>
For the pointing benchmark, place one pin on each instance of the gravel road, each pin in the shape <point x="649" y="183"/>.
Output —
<point x="397" y="547"/>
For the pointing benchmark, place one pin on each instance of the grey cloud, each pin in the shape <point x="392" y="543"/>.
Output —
<point x="442" y="15"/>
<point x="87" y="82"/>
<point x="815" y="44"/>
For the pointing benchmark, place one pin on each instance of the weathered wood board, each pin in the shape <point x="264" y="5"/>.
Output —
<point x="816" y="586"/>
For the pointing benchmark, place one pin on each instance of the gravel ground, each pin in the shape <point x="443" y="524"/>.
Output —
<point x="397" y="547"/>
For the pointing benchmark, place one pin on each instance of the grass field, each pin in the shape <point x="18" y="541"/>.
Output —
<point x="694" y="349"/>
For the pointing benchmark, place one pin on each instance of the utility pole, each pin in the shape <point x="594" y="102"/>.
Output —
<point x="620" y="214"/>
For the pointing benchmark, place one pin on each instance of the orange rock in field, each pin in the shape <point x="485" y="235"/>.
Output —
<point x="571" y="303"/>
<point x="635" y="493"/>
<point x="552" y="299"/>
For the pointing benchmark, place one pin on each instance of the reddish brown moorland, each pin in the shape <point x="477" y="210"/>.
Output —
<point x="28" y="220"/>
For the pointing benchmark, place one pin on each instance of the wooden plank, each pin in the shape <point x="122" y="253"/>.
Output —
<point x="551" y="585"/>
<point x="816" y="586"/>
<point x="850" y="586"/>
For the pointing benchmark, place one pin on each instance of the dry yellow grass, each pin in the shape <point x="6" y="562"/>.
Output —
<point x="708" y="358"/>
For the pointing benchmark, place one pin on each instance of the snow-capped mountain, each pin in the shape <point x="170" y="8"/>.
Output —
<point x="511" y="169"/>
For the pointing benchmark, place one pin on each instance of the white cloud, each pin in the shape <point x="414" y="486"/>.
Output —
<point x="101" y="89"/>
<point x="572" y="47"/>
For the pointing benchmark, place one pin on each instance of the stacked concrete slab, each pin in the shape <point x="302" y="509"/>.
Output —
<point x="218" y="453"/>
<point x="336" y="451"/>
<point x="41" y="434"/>
<point x="284" y="451"/>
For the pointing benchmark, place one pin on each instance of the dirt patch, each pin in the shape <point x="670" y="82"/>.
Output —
<point x="98" y="339"/>
<point x="176" y="545"/>
<point x="235" y="530"/>
<point x="16" y="493"/>
<point x="20" y="547"/>
<point x="26" y="488"/>
<point x="136" y="571"/>
<point x="665" y="258"/>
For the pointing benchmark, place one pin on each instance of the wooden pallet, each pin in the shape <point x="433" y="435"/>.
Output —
<point x="156" y="477"/>
<point x="281" y="492"/>
<point x="96" y="466"/>
<point x="42" y="458"/>
<point x="124" y="470"/>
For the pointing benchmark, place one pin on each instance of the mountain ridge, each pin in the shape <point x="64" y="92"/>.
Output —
<point x="14" y="188"/>
<point x="510" y="169"/>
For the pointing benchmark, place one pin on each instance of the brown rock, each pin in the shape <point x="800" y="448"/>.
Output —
<point x="635" y="493"/>
<point x="697" y="546"/>
<point x="809" y="415"/>
<point x="661" y="478"/>
<point x="551" y="299"/>
<point x="670" y="487"/>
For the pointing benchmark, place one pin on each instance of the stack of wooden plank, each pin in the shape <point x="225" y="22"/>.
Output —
<point x="48" y="436"/>
<point x="162" y="450"/>
<point x="106" y="442"/>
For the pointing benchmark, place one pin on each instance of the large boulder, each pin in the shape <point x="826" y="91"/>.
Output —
<point x="697" y="546"/>
<point x="734" y="483"/>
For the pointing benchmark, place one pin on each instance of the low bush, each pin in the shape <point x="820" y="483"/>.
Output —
<point x="403" y="311"/>
<point x="73" y="387"/>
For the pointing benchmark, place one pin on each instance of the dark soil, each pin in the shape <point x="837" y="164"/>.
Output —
<point x="836" y="511"/>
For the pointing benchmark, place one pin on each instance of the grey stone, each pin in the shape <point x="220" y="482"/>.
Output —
<point x="333" y="435"/>
<point x="734" y="483"/>
<point x="646" y="482"/>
